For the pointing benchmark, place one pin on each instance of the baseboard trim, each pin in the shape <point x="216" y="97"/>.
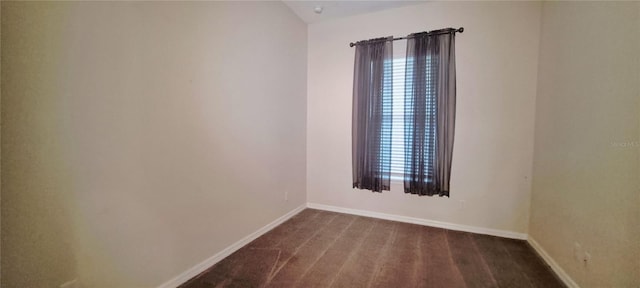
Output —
<point x="552" y="263"/>
<point x="204" y="265"/>
<point x="420" y="221"/>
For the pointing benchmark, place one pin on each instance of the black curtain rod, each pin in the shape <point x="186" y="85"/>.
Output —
<point x="434" y="32"/>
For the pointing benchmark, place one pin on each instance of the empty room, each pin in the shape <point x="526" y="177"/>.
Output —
<point x="202" y="144"/>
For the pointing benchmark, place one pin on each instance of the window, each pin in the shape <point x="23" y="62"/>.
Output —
<point x="396" y="124"/>
<point x="397" y="128"/>
<point x="398" y="116"/>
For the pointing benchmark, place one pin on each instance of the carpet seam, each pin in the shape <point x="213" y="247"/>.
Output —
<point x="297" y="249"/>
<point x="484" y="263"/>
<point x="359" y="247"/>
<point x="377" y="268"/>
<point x="324" y="252"/>
<point x="446" y="238"/>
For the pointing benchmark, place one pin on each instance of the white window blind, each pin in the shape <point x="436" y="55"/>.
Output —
<point x="397" y="130"/>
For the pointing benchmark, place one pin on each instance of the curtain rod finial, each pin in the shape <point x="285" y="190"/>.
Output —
<point x="461" y="29"/>
<point x="351" y="44"/>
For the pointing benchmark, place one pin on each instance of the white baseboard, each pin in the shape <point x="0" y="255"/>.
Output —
<point x="552" y="263"/>
<point x="419" y="221"/>
<point x="204" y="265"/>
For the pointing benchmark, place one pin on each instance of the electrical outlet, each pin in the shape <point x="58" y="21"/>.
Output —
<point x="286" y="195"/>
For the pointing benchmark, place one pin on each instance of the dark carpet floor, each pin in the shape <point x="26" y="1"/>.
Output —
<point x="325" y="249"/>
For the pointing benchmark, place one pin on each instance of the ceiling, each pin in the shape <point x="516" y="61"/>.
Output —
<point x="337" y="9"/>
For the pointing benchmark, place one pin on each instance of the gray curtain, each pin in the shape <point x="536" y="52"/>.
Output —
<point x="430" y="108"/>
<point x="372" y="104"/>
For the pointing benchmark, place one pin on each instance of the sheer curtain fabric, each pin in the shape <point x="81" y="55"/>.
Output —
<point x="430" y="99"/>
<point x="372" y="108"/>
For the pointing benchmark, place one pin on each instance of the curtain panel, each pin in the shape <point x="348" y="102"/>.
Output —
<point x="372" y="108"/>
<point x="430" y="100"/>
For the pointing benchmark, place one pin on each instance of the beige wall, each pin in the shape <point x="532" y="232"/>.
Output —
<point x="141" y="138"/>
<point x="497" y="58"/>
<point x="0" y="150"/>
<point x="586" y="185"/>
